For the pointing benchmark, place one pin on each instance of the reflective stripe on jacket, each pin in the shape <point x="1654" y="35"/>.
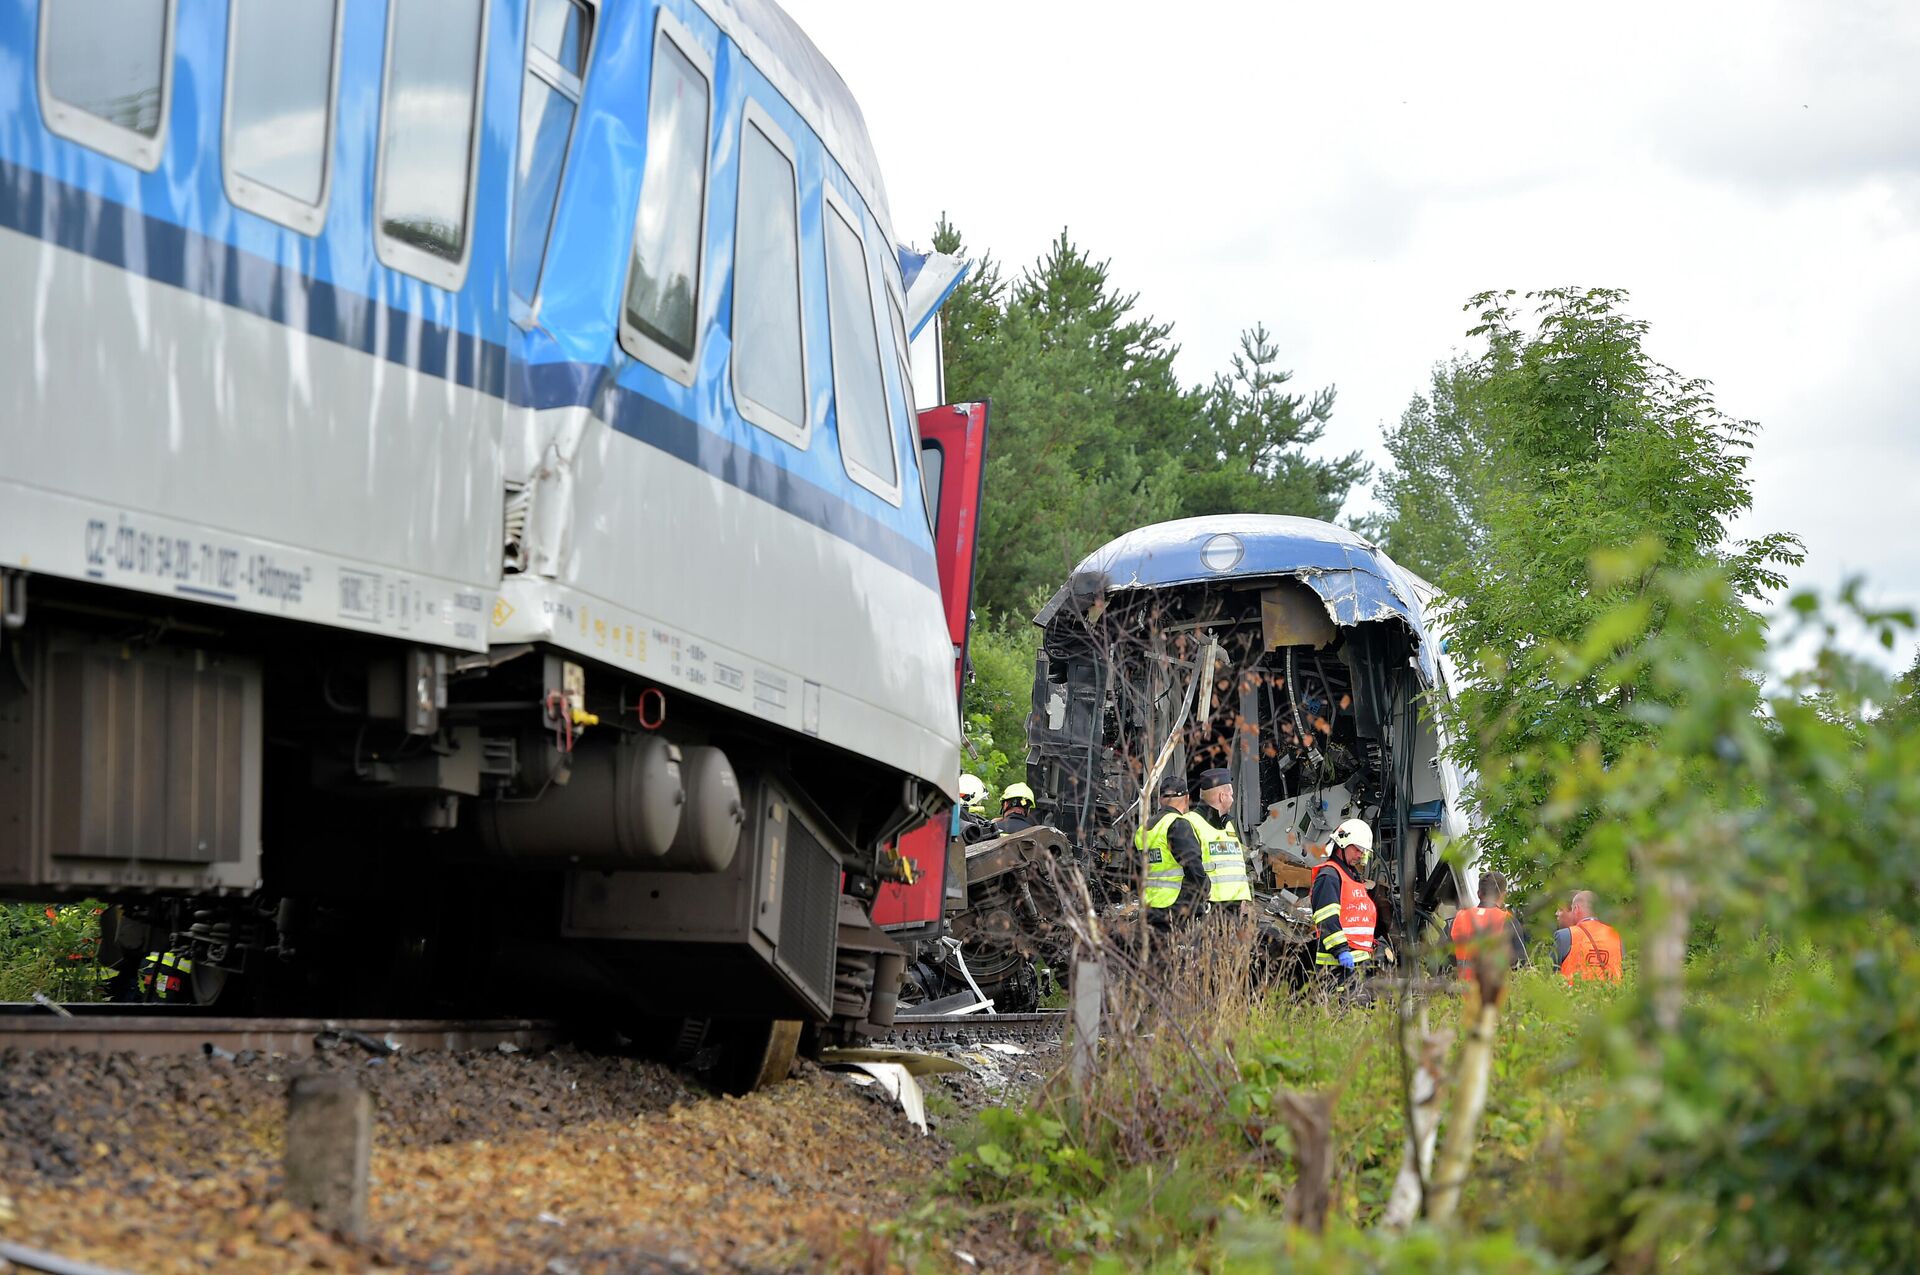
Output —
<point x="1164" y="873"/>
<point x="1355" y="914"/>
<point x="1595" y="955"/>
<point x="1226" y="863"/>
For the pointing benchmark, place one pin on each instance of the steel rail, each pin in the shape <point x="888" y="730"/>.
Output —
<point x="18" y="1257"/>
<point x="1046" y="1024"/>
<point x="152" y="1033"/>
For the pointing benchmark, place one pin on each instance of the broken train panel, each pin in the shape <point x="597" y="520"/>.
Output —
<point x="1324" y="662"/>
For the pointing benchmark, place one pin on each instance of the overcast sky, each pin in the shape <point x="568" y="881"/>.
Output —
<point x="1350" y="174"/>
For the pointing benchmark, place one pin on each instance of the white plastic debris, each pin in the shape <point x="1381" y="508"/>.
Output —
<point x="1003" y="1047"/>
<point x="966" y="1257"/>
<point x="552" y="1220"/>
<point x="900" y="1084"/>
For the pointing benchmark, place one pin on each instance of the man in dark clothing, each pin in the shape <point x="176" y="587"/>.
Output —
<point x="1173" y="842"/>
<point x="1343" y="911"/>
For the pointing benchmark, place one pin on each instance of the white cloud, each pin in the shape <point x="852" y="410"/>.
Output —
<point x="1351" y="174"/>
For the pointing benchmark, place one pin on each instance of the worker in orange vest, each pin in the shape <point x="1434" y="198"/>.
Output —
<point x="1488" y="923"/>
<point x="1589" y="950"/>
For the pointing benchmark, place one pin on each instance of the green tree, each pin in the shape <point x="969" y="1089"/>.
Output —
<point x="1593" y="448"/>
<point x="970" y="318"/>
<point x="1904" y="704"/>
<point x="1080" y="386"/>
<point x="1433" y="491"/>
<point x="998" y="698"/>
<point x="1248" y="449"/>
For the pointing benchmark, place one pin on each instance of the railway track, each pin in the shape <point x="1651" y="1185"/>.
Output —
<point x="19" y="1257"/>
<point x="146" y="1029"/>
<point x="143" y="1029"/>
<point x="967" y="1029"/>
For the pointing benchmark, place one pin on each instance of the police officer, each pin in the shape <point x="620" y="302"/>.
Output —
<point x="1016" y="810"/>
<point x="1174" y="842"/>
<point x="1343" y="911"/>
<point x="1226" y="857"/>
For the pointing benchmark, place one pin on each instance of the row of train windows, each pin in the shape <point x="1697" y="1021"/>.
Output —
<point x="105" y="70"/>
<point x="659" y="313"/>
<point x="105" y="64"/>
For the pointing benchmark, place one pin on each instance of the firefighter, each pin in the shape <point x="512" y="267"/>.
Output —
<point x="1477" y="925"/>
<point x="1343" y="911"/>
<point x="1174" y="842"/>
<point x="163" y="976"/>
<point x="973" y="795"/>
<point x="1016" y="809"/>
<point x="1226" y="857"/>
<point x="1589" y="949"/>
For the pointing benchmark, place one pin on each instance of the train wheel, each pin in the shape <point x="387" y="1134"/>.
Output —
<point x="206" y="982"/>
<point x="758" y="1052"/>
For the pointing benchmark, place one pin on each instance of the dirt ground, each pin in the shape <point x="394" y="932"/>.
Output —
<point x="557" y="1162"/>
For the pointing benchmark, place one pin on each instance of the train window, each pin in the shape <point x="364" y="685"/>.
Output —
<point x="558" y="35"/>
<point x="859" y="389"/>
<point x="282" y="57"/>
<point x="660" y="314"/>
<point x="428" y="136"/>
<point x="769" y="375"/>
<point x="106" y="75"/>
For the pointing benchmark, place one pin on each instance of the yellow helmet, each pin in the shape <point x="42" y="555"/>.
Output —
<point x="1016" y="792"/>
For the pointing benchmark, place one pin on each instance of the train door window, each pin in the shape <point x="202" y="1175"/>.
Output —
<point x="429" y="135"/>
<point x="769" y="374"/>
<point x="559" y="33"/>
<point x="282" y="74"/>
<point x="659" y="320"/>
<point x="859" y="389"/>
<point x="933" y="463"/>
<point x="106" y="75"/>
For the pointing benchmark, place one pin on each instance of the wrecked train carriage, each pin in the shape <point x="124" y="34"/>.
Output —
<point x="1322" y="661"/>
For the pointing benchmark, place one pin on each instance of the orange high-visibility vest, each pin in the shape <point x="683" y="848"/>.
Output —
<point x="1469" y="924"/>
<point x="1358" y="917"/>
<point x="1595" y="954"/>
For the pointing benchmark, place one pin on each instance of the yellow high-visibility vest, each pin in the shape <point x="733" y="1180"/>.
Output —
<point x="1226" y="864"/>
<point x="1164" y="873"/>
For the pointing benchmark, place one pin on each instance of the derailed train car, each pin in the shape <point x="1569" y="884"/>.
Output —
<point x="464" y="531"/>
<point x="1323" y="664"/>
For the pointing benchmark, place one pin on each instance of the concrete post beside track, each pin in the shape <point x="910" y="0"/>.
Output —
<point x="329" y="1141"/>
<point x="1089" y="986"/>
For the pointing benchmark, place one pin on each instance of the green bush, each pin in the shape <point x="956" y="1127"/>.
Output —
<point x="50" y="949"/>
<point x="998" y="699"/>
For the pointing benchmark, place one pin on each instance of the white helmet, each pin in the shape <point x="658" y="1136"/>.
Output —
<point x="973" y="792"/>
<point x="1354" y="832"/>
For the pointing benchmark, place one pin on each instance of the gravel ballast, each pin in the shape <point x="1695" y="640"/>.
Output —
<point x="558" y="1161"/>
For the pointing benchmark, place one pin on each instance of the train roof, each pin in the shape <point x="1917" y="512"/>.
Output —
<point x="776" y="45"/>
<point x="1356" y="580"/>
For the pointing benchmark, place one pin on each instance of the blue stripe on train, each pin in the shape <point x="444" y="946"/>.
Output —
<point x="47" y="209"/>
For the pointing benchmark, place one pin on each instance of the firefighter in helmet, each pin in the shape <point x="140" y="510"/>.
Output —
<point x="973" y="795"/>
<point x="1343" y="910"/>
<point x="1016" y="809"/>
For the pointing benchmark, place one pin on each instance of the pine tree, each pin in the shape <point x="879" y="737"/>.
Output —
<point x="1248" y="450"/>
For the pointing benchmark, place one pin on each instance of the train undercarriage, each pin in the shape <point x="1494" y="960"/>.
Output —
<point x="290" y="820"/>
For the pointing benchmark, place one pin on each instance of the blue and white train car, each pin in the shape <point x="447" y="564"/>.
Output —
<point x="463" y="445"/>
